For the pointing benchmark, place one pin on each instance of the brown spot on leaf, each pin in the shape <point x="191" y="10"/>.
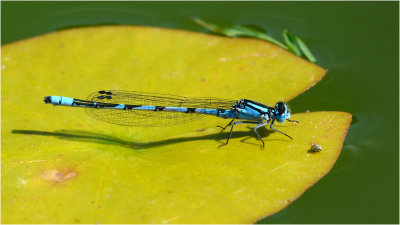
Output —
<point x="59" y="175"/>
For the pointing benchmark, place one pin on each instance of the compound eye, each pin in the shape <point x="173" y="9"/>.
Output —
<point x="280" y="107"/>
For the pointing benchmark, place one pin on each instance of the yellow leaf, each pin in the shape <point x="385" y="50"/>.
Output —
<point x="61" y="166"/>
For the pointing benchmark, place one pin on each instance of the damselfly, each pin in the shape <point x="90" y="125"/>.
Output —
<point x="131" y="108"/>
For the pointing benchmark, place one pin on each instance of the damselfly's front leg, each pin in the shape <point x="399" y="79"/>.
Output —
<point x="230" y="134"/>
<point x="272" y="123"/>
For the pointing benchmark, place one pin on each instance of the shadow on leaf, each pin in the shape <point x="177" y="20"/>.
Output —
<point x="92" y="137"/>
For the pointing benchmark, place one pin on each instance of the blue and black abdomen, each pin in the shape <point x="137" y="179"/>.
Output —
<point x="131" y="108"/>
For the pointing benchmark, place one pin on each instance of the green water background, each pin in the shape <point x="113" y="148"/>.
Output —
<point x="358" y="42"/>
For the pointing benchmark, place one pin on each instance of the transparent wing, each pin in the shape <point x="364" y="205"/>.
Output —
<point x="151" y="118"/>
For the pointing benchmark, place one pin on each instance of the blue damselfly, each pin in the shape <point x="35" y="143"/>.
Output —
<point x="131" y="108"/>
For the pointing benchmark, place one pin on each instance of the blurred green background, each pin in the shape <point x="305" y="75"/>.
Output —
<point x="358" y="42"/>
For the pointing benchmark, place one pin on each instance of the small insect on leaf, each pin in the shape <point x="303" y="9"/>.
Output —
<point x="315" y="148"/>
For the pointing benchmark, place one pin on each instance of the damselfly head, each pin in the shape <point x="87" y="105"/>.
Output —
<point x="282" y="112"/>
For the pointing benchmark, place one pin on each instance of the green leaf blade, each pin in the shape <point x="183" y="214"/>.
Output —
<point x="305" y="50"/>
<point x="289" y="39"/>
<point x="238" y="31"/>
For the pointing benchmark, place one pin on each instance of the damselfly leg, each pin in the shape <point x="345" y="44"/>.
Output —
<point x="255" y="131"/>
<point x="272" y="124"/>
<point x="223" y="128"/>
<point x="230" y="134"/>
